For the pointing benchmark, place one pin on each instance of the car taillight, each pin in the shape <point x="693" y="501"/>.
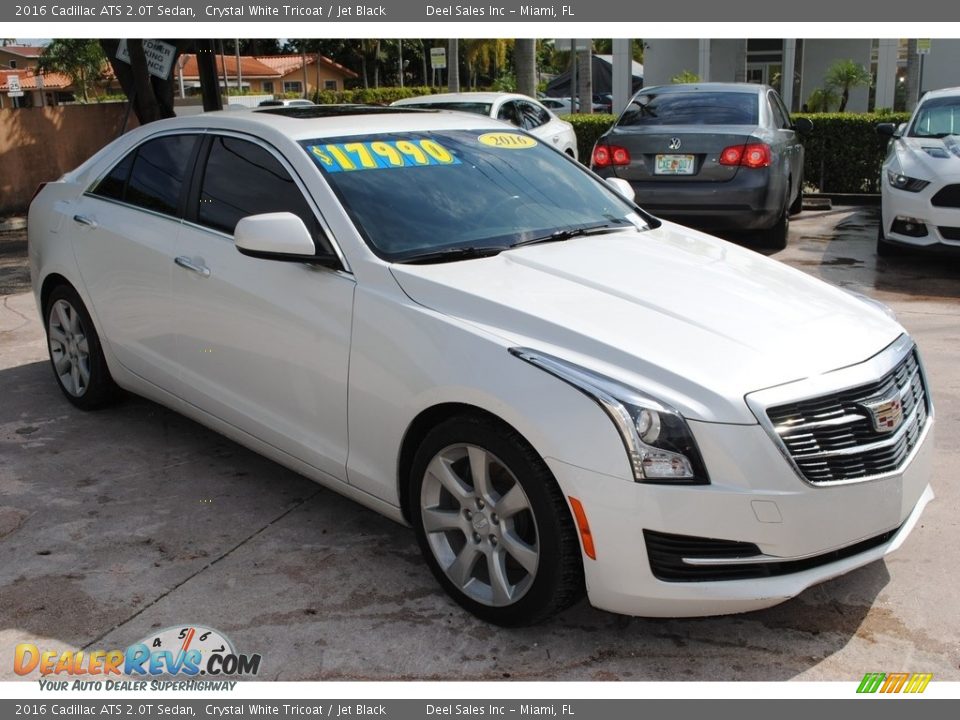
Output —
<point x="36" y="192"/>
<point x="752" y="155"/>
<point x="607" y="155"/>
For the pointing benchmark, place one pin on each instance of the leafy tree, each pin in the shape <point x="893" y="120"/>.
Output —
<point x="82" y="61"/>
<point x="844" y="75"/>
<point x="686" y="76"/>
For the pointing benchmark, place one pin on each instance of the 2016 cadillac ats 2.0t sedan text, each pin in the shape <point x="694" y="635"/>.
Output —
<point x="450" y="322"/>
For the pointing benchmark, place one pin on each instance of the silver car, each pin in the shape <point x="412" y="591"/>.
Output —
<point x="718" y="156"/>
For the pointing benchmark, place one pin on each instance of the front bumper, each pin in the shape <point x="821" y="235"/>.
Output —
<point x="755" y="497"/>
<point x="942" y="223"/>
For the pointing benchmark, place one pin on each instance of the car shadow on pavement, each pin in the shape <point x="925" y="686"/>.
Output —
<point x="134" y="518"/>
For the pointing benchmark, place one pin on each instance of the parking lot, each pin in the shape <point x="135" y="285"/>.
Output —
<point x="122" y="522"/>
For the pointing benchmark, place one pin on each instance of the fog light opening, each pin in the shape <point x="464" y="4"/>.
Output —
<point x="910" y="226"/>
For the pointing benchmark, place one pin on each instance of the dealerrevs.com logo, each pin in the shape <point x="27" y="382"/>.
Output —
<point x="894" y="682"/>
<point x="188" y="651"/>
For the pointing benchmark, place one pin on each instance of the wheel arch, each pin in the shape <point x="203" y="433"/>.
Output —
<point x="422" y="424"/>
<point x="51" y="282"/>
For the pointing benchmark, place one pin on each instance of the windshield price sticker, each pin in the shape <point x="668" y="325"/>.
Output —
<point x="381" y="155"/>
<point x="507" y="140"/>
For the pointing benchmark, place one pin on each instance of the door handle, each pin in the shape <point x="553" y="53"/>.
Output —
<point x="187" y="263"/>
<point x="84" y="220"/>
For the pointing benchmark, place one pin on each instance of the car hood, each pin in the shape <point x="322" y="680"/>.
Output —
<point x="693" y="320"/>
<point x="928" y="158"/>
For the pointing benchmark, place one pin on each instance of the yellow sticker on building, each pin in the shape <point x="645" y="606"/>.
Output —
<point x="507" y="140"/>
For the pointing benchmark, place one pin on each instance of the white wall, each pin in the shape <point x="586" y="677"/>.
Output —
<point x="941" y="68"/>
<point x="819" y="55"/>
<point x="664" y="59"/>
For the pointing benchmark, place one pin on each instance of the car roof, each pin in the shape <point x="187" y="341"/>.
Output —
<point x="463" y="97"/>
<point x="942" y="92"/>
<point x="705" y="87"/>
<point x="306" y="122"/>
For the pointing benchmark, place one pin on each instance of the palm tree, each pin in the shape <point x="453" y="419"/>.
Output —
<point x="484" y="54"/>
<point x="822" y="99"/>
<point x="525" y="62"/>
<point x="453" y="65"/>
<point x="844" y="75"/>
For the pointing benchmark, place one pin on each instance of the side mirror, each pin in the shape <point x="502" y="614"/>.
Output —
<point x="887" y="129"/>
<point x="278" y="236"/>
<point x="803" y="125"/>
<point x="622" y="188"/>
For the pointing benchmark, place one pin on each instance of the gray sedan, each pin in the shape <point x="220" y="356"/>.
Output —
<point x="712" y="155"/>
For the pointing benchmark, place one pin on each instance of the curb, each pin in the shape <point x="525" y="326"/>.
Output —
<point x="12" y="224"/>
<point x="845" y="198"/>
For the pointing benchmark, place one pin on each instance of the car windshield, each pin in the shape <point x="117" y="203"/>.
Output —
<point x="477" y="108"/>
<point x="692" y="108"/>
<point x="937" y="117"/>
<point x="414" y="194"/>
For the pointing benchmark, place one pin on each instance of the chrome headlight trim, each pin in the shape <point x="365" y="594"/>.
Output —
<point x="617" y="400"/>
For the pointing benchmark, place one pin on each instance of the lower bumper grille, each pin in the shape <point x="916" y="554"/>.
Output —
<point x="685" y="558"/>
<point x="950" y="233"/>
<point x="858" y="433"/>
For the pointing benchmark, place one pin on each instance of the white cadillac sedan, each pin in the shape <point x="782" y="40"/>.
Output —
<point x="467" y="331"/>
<point x="518" y="110"/>
<point x="920" y="178"/>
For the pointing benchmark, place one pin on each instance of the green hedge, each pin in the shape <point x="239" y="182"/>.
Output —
<point x="844" y="152"/>
<point x="377" y="96"/>
<point x="588" y="129"/>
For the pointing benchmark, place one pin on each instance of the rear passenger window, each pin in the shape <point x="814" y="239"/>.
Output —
<point x="159" y="168"/>
<point x="242" y="178"/>
<point x="114" y="184"/>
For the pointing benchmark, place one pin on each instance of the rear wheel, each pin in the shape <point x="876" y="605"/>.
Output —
<point x="75" y="352"/>
<point x="492" y="524"/>
<point x="775" y="238"/>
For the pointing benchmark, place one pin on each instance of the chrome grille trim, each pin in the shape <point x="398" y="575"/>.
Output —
<point x="828" y="437"/>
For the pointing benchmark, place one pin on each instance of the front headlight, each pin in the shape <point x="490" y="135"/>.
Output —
<point x="658" y="440"/>
<point x="902" y="182"/>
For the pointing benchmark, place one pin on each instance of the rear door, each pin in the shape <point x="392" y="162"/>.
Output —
<point x="125" y="230"/>
<point x="788" y="141"/>
<point x="263" y="344"/>
<point x="679" y="136"/>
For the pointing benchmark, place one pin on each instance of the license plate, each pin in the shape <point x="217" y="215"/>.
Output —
<point x="674" y="165"/>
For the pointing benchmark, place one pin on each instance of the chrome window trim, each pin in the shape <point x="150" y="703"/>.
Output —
<point x="131" y="206"/>
<point x="847" y="378"/>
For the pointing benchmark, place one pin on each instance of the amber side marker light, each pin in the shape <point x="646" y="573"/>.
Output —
<point x="586" y="537"/>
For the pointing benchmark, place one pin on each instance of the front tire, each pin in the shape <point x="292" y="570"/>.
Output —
<point x="75" y="352"/>
<point x="492" y="523"/>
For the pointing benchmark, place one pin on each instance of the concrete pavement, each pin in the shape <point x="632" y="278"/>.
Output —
<point x="121" y="522"/>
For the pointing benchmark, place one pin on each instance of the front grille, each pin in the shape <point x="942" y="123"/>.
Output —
<point x="667" y="554"/>
<point x="950" y="233"/>
<point x="833" y="438"/>
<point x="948" y="196"/>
